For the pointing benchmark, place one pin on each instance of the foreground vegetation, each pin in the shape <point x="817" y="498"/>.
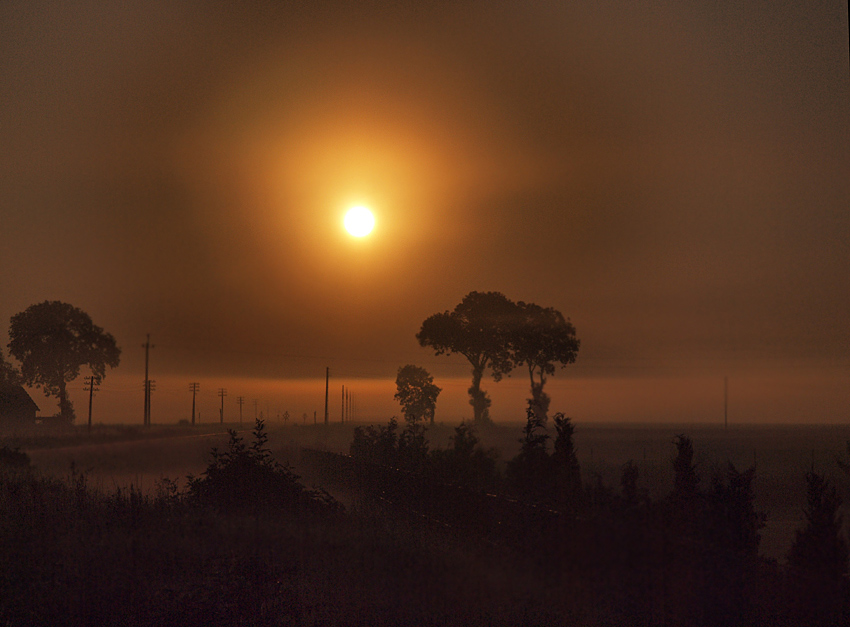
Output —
<point x="438" y="537"/>
<point x="690" y="558"/>
<point x="244" y="544"/>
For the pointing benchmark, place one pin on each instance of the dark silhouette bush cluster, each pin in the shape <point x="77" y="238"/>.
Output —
<point x="465" y="462"/>
<point x="247" y="479"/>
<point x="818" y="586"/>
<point x="13" y="458"/>
<point x="535" y="474"/>
<point x="691" y="558"/>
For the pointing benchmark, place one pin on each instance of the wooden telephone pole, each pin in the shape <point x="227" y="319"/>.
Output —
<point x="91" y="382"/>
<point x="147" y="346"/>
<point x="222" y="392"/>
<point x="194" y="387"/>
<point x="240" y="400"/>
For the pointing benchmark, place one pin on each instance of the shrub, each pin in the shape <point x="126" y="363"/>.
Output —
<point x="247" y="479"/>
<point x="377" y="445"/>
<point x="13" y="458"/>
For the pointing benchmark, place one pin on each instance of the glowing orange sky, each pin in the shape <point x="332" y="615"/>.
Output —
<point x="674" y="180"/>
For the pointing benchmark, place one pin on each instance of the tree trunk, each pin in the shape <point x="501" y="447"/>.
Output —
<point x="66" y="408"/>
<point x="478" y="398"/>
<point x="539" y="401"/>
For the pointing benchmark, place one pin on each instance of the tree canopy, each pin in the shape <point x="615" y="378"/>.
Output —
<point x="477" y="328"/>
<point x="416" y="393"/>
<point x="541" y="338"/>
<point x="8" y="373"/>
<point x="52" y="340"/>
<point x="494" y="332"/>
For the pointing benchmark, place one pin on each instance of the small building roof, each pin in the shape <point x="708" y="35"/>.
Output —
<point x="15" y="398"/>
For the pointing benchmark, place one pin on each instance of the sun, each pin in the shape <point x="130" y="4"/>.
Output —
<point x="359" y="221"/>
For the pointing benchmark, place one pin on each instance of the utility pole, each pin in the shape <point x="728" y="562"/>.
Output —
<point x="348" y="403"/>
<point x="725" y="402"/>
<point x="194" y="387"/>
<point x="150" y="386"/>
<point x="256" y="404"/>
<point x="147" y="346"/>
<point x="342" y="405"/>
<point x="91" y="382"/>
<point x="240" y="400"/>
<point x="327" y="381"/>
<point x="222" y="392"/>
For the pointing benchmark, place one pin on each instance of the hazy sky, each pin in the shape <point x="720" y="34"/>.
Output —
<point x="673" y="176"/>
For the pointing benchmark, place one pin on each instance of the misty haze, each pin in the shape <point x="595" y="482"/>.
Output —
<point x="424" y="314"/>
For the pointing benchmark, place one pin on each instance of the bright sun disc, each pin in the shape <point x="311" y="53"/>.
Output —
<point x="359" y="221"/>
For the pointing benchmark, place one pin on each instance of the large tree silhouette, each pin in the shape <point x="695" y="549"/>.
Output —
<point x="52" y="340"/>
<point x="416" y="393"/>
<point x="540" y="339"/>
<point x="478" y="328"/>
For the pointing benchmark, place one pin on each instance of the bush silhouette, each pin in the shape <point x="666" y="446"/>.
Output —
<point x="247" y="479"/>
<point x="818" y="588"/>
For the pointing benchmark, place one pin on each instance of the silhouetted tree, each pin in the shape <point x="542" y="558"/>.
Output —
<point x="531" y="469"/>
<point x="682" y="533"/>
<point x="52" y="340"/>
<point x="732" y="503"/>
<point x="540" y="339"/>
<point x="376" y="444"/>
<point x="464" y="440"/>
<point x="465" y="462"/>
<point x="416" y="393"/>
<point x="413" y="447"/>
<point x="564" y="461"/>
<point x="478" y="328"/>
<point x="817" y="561"/>
<point x="685" y="477"/>
<point x="730" y="545"/>
<point x="629" y="474"/>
